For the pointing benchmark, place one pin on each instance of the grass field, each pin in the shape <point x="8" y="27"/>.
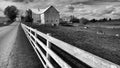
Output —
<point x="105" y="45"/>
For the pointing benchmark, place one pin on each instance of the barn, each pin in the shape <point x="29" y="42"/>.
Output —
<point x="50" y="15"/>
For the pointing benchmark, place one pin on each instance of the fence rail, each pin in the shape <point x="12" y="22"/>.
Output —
<point x="86" y="57"/>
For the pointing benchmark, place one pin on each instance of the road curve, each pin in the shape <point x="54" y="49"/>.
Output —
<point x="15" y="49"/>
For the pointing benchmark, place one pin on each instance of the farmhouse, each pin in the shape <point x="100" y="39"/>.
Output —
<point x="49" y="15"/>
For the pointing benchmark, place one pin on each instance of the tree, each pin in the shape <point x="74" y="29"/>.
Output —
<point x="74" y="19"/>
<point x="93" y="20"/>
<point x="11" y="12"/>
<point x="84" y="21"/>
<point x="104" y="19"/>
<point x="109" y="19"/>
<point x="28" y="18"/>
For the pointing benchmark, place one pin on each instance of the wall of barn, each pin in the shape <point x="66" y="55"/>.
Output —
<point x="52" y="16"/>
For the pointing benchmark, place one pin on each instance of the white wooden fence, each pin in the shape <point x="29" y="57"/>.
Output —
<point x="86" y="57"/>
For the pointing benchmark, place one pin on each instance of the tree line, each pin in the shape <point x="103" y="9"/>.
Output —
<point x="83" y="20"/>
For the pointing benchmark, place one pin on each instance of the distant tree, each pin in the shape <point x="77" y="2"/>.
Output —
<point x="74" y="19"/>
<point x="84" y="21"/>
<point x="29" y="12"/>
<point x="93" y="20"/>
<point x="105" y="19"/>
<point x="28" y="17"/>
<point x="22" y="18"/>
<point x="11" y="12"/>
<point x="109" y="19"/>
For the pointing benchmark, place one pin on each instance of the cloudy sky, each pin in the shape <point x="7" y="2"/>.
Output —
<point x="79" y="8"/>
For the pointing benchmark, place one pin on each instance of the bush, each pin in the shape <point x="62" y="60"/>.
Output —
<point x="65" y="23"/>
<point x="84" y="21"/>
<point x="74" y="20"/>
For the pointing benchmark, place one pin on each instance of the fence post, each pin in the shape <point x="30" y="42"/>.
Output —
<point x="30" y="30"/>
<point x="35" y="36"/>
<point x="49" y="46"/>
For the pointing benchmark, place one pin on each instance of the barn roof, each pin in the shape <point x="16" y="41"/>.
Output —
<point x="40" y="11"/>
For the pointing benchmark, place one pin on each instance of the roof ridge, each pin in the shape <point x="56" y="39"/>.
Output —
<point x="40" y="11"/>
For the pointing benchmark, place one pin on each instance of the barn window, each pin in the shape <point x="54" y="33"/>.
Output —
<point x="56" y="20"/>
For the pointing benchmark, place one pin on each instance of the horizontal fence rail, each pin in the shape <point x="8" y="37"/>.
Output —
<point x="86" y="57"/>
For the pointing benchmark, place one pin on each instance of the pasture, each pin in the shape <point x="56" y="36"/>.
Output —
<point x="104" y="44"/>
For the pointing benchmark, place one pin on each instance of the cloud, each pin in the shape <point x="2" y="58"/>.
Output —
<point x="116" y="12"/>
<point x="19" y="5"/>
<point x="109" y="10"/>
<point x="103" y="11"/>
<point x="20" y="0"/>
<point x="69" y="8"/>
<point x="93" y="2"/>
<point x="79" y="8"/>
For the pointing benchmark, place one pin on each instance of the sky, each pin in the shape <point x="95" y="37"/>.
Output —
<point x="80" y="8"/>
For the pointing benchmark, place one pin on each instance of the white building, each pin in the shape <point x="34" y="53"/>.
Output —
<point x="46" y="16"/>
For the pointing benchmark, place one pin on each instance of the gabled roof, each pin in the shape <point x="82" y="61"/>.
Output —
<point x="40" y="11"/>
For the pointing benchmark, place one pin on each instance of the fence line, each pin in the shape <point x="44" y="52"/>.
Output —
<point x="86" y="57"/>
<point x="36" y="50"/>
